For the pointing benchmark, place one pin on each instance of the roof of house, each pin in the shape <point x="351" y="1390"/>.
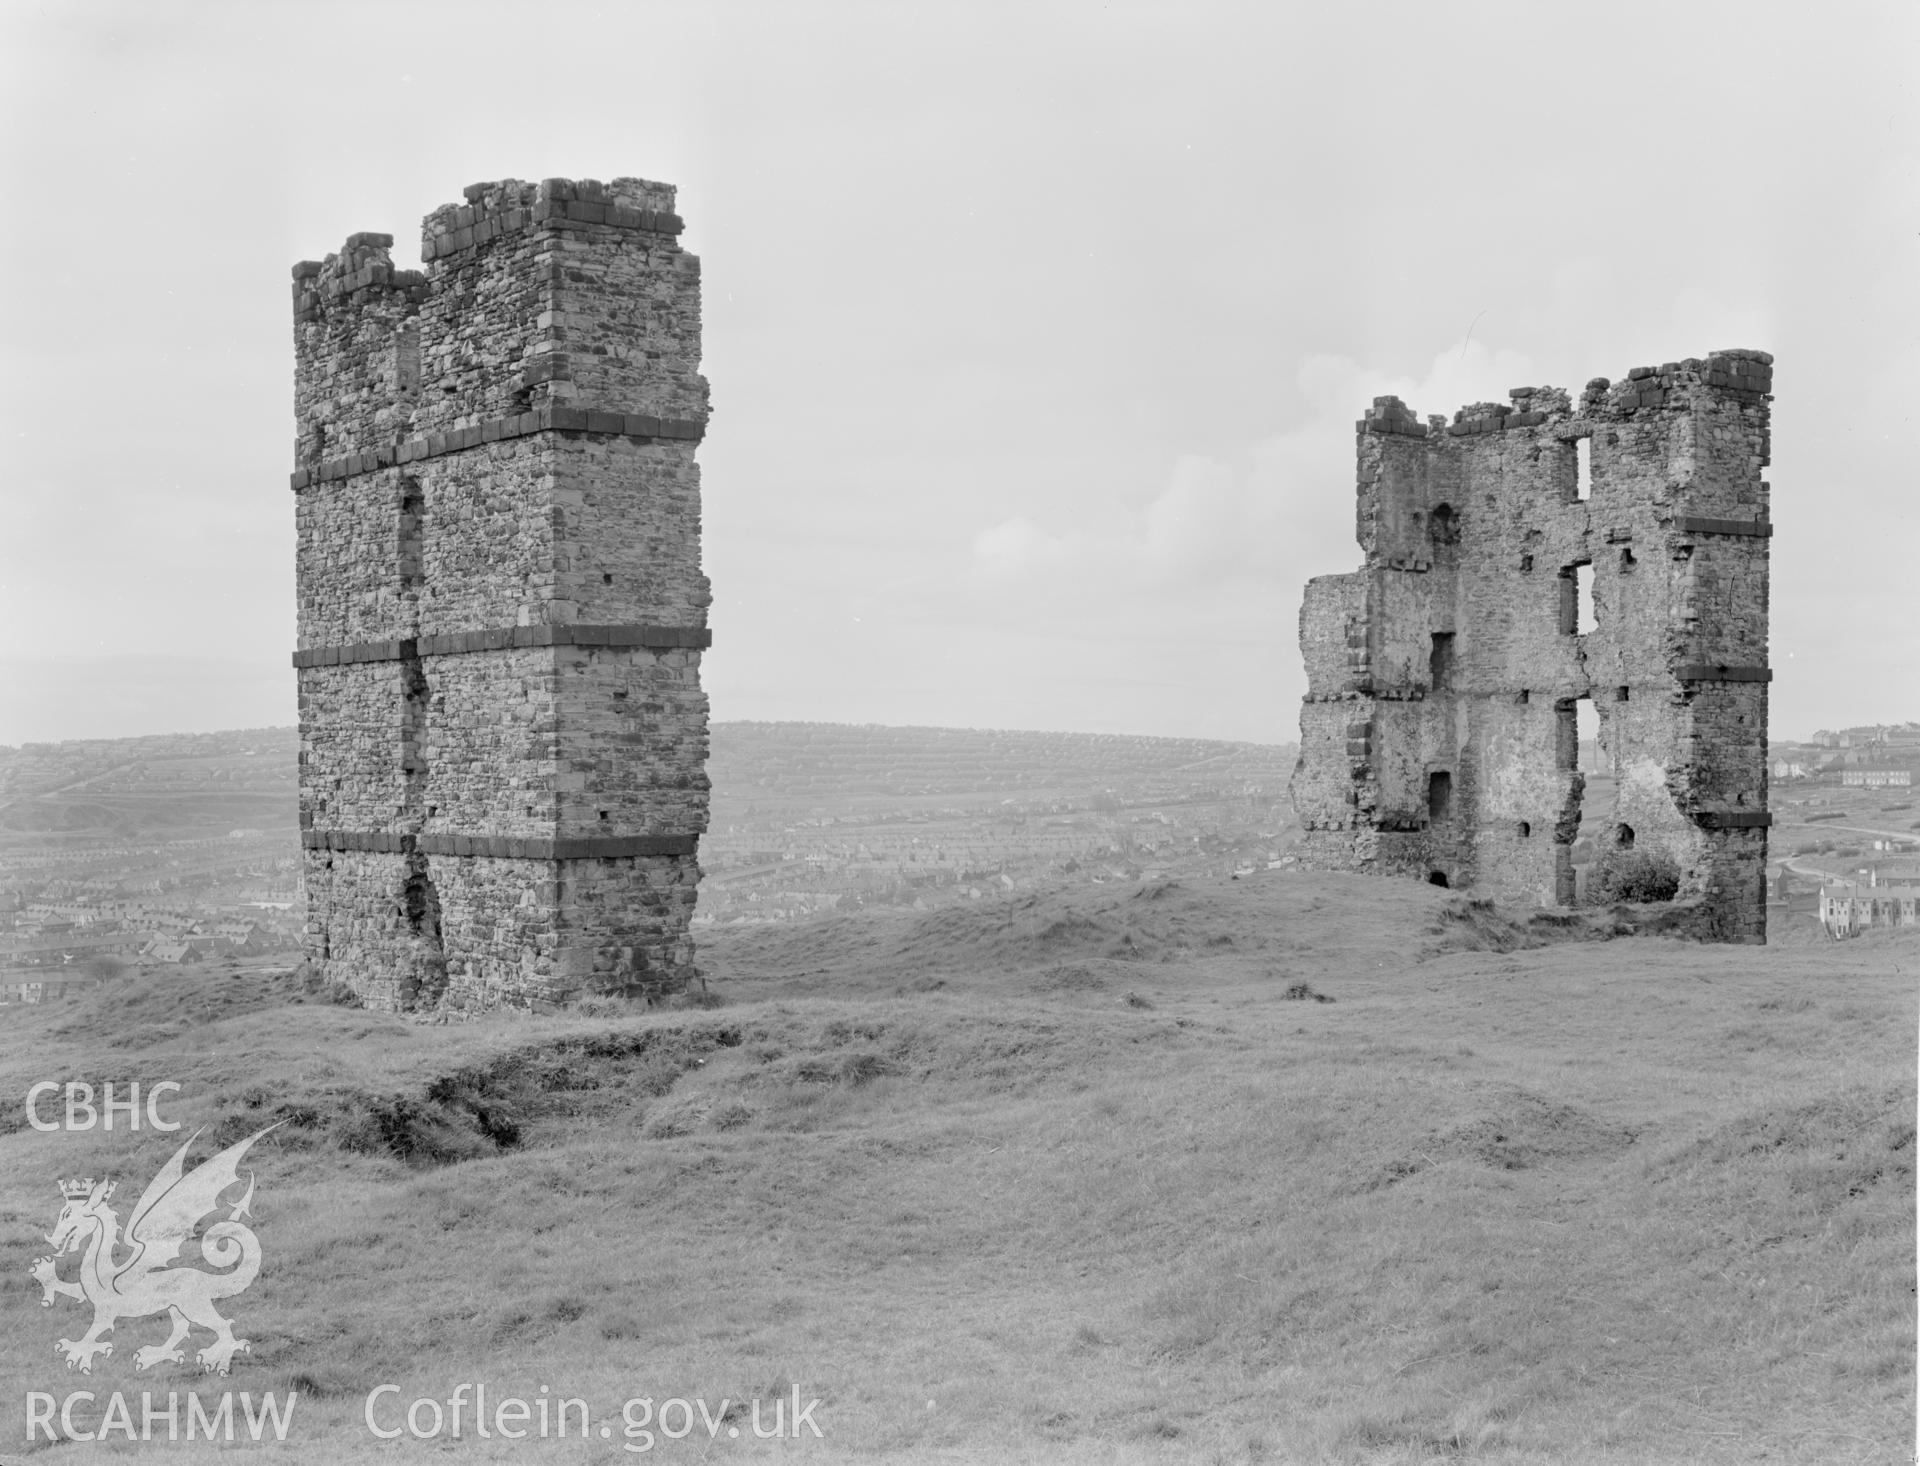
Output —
<point x="1860" y="890"/>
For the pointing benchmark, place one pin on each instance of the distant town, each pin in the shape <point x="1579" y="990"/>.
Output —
<point x="816" y="817"/>
<point x="1845" y="852"/>
<point x="122" y="856"/>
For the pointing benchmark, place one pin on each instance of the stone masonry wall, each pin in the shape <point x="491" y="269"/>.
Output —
<point x="1438" y="733"/>
<point x="501" y="607"/>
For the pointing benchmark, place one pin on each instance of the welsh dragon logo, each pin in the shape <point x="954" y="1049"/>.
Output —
<point x="143" y="1272"/>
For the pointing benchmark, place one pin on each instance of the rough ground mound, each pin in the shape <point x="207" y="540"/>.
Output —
<point x="1092" y="937"/>
<point x="1094" y="1174"/>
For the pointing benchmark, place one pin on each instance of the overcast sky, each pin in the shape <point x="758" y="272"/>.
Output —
<point x="1036" y="332"/>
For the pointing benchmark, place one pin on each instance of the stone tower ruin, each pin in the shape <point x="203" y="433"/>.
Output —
<point x="1438" y="737"/>
<point x="503" y="739"/>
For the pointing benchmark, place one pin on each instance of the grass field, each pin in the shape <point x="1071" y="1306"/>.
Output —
<point x="1296" y="1168"/>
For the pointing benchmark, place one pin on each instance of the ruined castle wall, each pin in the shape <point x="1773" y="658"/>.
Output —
<point x="501" y="929"/>
<point x="495" y="745"/>
<point x="577" y="291"/>
<point x="1332" y="615"/>
<point x="348" y="567"/>
<point x="635" y="557"/>
<point x="1447" y="749"/>
<point x="490" y="537"/>
<point x="636" y="746"/>
<point x="501" y="605"/>
<point x="356" y="376"/>
<point x="353" y="750"/>
<point x="356" y="912"/>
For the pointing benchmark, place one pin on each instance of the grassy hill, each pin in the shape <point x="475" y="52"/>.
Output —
<point x="1292" y="1168"/>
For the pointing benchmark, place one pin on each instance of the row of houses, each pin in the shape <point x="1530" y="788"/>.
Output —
<point x="1882" y="736"/>
<point x="61" y="949"/>
<point x="1848" y="908"/>
<point x="1863" y="778"/>
<point x="1861" y="773"/>
<point x="38" y="990"/>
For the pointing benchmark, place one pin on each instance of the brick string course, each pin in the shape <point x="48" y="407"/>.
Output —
<point x="634" y="425"/>
<point x="387" y="842"/>
<point x="501" y="608"/>
<point x="1438" y="734"/>
<point x="498" y="637"/>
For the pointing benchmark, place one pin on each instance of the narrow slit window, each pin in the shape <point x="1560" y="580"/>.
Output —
<point x="1583" y="469"/>
<point x="1440" y="661"/>
<point x="410" y="536"/>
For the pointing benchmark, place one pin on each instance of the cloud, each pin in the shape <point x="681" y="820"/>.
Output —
<point x="1282" y="512"/>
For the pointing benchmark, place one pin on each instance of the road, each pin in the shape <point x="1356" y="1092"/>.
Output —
<point x="1905" y="835"/>
<point x="64" y="788"/>
<point x="1794" y="864"/>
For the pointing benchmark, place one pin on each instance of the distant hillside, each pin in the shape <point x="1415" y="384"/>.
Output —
<point x="178" y="784"/>
<point x="852" y="760"/>
<point x="169" y="785"/>
<point x="816" y="817"/>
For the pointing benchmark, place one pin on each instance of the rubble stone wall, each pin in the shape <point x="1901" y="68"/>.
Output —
<point x="1438" y="734"/>
<point x="501" y="606"/>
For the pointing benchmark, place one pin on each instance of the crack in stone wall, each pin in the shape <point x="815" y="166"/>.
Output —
<point x="1457" y="648"/>
<point x="501" y="607"/>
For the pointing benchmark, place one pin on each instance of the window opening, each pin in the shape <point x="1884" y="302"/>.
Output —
<point x="1440" y="661"/>
<point x="1583" y="469"/>
<point x="1586" y="718"/>
<point x="1576" y="600"/>
<point x="411" y="537"/>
